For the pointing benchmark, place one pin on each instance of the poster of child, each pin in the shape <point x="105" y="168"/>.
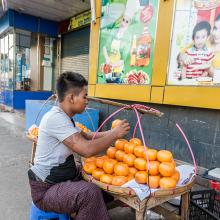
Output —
<point x="199" y="52"/>
<point x="192" y="54"/>
<point x="126" y="41"/>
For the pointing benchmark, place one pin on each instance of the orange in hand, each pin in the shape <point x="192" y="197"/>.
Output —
<point x="115" y="123"/>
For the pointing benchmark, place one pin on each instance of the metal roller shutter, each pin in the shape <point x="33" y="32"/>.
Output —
<point x="75" y="52"/>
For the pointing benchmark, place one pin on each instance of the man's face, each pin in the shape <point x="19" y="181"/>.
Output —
<point x="80" y="101"/>
<point x="200" y="38"/>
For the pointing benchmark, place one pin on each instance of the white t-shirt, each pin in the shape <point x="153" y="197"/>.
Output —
<point x="54" y="162"/>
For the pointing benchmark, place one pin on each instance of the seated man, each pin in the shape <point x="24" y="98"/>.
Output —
<point x="55" y="182"/>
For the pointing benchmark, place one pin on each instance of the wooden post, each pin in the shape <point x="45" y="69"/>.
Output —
<point x="33" y="150"/>
<point x="140" y="214"/>
<point x="185" y="206"/>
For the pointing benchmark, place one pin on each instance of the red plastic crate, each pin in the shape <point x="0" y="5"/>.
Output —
<point x="215" y="185"/>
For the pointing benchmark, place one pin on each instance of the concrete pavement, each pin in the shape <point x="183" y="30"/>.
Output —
<point x="15" y="152"/>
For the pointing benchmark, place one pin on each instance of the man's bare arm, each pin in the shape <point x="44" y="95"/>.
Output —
<point x="79" y="144"/>
<point x="89" y="135"/>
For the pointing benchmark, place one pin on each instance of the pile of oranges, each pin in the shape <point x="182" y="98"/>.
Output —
<point x="127" y="160"/>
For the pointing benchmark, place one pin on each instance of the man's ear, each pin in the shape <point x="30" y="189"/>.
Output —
<point x="71" y="98"/>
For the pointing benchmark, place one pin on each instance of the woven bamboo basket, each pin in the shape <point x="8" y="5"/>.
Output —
<point x="123" y="191"/>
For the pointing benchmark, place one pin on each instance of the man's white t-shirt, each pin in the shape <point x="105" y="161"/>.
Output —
<point x="54" y="162"/>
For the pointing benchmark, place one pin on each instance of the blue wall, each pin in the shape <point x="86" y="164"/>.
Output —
<point x="4" y="22"/>
<point x="28" y="22"/>
<point x="6" y="97"/>
<point x="21" y="96"/>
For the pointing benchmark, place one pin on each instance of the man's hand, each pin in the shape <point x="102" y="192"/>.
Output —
<point x="121" y="129"/>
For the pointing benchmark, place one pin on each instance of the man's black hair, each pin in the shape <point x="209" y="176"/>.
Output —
<point x="203" y="25"/>
<point x="69" y="81"/>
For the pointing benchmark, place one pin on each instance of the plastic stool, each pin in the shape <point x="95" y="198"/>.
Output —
<point x="37" y="214"/>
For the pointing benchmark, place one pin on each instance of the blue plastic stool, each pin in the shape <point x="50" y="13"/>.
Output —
<point x="37" y="214"/>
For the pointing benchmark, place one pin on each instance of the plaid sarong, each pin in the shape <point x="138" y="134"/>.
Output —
<point x="81" y="197"/>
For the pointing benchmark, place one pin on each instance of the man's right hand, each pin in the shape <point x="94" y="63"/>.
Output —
<point x="121" y="129"/>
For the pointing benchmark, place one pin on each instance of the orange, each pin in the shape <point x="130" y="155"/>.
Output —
<point x="119" y="155"/>
<point x="130" y="176"/>
<point x="166" y="169"/>
<point x="96" y="173"/>
<point x="141" y="177"/>
<point x="119" y="144"/>
<point x="176" y="175"/>
<point x="132" y="170"/>
<point x="111" y="152"/>
<point x="119" y="180"/>
<point x="173" y="162"/>
<point x="129" y="148"/>
<point x="140" y="163"/>
<point x="108" y="166"/>
<point x="89" y="167"/>
<point x="139" y="151"/>
<point x="167" y="183"/>
<point x="152" y="154"/>
<point x="154" y="168"/>
<point x="90" y="159"/>
<point x="106" y="178"/>
<point x="99" y="161"/>
<point x="136" y="141"/>
<point x="164" y="156"/>
<point x="154" y="182"/>
<point x="115" y="123"/>
<point x="121" y="169"/>
<point x="129" y="159"/>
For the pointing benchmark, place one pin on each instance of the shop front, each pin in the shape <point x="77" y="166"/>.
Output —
<point x="75" y="36"/>
<point x="137" y="55"/>
<point x="27" y="47"/>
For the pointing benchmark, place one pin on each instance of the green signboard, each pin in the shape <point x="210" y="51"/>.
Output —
<point x="126" y="42"/>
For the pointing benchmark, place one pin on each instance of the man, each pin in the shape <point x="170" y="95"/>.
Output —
<point x="55" y="181"/>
